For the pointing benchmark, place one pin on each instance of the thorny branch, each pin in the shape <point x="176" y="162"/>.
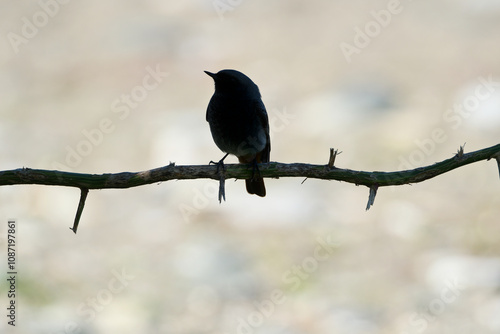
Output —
<point x="373" y="180"/>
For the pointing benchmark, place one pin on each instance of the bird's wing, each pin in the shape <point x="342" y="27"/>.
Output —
<point x="209" y="108"/>
<point x="264" y="121"/>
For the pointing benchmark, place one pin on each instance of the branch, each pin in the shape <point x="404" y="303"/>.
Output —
<point x="373" y="180"/>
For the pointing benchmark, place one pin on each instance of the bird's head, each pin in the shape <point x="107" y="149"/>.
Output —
<point x="234" y="82"/>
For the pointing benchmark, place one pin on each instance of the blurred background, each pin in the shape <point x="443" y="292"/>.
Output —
<point x="99" y="87"/>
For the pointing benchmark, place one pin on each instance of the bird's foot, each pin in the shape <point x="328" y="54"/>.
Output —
<point x="222" y="179"/>
<point x="219" y="164"/>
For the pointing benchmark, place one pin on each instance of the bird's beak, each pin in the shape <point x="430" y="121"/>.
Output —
<point x="210" y="74"/>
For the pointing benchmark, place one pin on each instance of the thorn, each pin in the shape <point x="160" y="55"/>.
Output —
<point x="497" y="158"/>
<point x="371" y="198"/>
<point x="460" y="152"/>
<point x="333" y="155"/>
<point x="498" y="163"/>
<point x="83" y="196"/>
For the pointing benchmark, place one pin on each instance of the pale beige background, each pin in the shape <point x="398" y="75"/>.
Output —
<point x="424" y="259"/>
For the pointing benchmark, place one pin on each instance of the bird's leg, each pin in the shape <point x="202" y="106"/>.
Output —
<point x="219" y="164"/>
<point x="255" y="167"/>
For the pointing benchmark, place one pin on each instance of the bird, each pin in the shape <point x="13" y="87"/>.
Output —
<point x="239" y="123"/>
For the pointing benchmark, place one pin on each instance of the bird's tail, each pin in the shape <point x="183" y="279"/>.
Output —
<point x="256" y="186"/>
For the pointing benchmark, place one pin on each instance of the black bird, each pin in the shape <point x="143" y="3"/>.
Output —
<point x="239" y="123"/>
